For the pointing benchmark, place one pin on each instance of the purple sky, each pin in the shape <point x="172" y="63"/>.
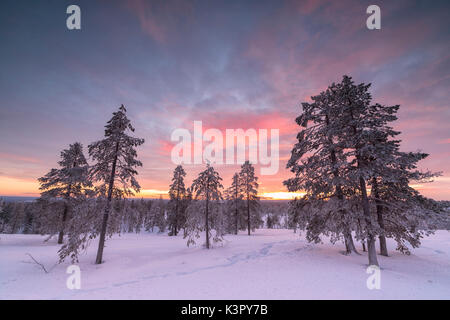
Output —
<point x="231" y="64"/>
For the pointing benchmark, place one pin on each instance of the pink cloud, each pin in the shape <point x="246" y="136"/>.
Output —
<point x="160" y="19"/>
<point x="18" y="158"/>
<point x="444" y="141"/>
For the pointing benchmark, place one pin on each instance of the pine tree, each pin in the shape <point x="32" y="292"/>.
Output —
<point x="115" y="158"/>
<point x="185" y="203"/>
<point x="28" y="219"/>
<point x="6" y="209"/>
<point x="402" y="213"/>
<point x="348" y="124"/>
<point x="142" y="213"/>
<point x="235" y="203"/>
<point x="177" y="192"/>
<point x="249" y="187"/>
<point x="207" y="190"/>
<point x="321" y="174"/>
<point x="348" y="145"/>
<point x="148" y="218"/>
<point x="316" y="162"/>
<point x="364" y="125"/>
<point x="83" y="226"/>
<point x="69" y="183"/>
<point x="158" y="213"/>
<point x="49" y="215"/>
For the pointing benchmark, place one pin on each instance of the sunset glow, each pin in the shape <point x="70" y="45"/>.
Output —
<point x="281" y="195"/>
<point x="229" y="66"/>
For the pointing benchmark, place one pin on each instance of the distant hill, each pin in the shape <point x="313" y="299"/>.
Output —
<point x="18" y="199"/>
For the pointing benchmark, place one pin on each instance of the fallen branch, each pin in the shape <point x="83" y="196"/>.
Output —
<point x="40" y="264"/>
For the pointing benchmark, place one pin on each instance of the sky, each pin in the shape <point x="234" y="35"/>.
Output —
<point x="230" y="64"/>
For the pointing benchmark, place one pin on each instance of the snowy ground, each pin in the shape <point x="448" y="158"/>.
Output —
<point x="271" y="264"/>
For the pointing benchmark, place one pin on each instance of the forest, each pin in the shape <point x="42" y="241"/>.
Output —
<point x="347" y="161"/>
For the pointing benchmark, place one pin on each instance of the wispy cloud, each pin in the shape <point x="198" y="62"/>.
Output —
<point x="230" y="64"/>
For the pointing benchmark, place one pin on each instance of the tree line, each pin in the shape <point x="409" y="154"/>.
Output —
<point x="81" y="201"/>
<point x="132" y="216"/>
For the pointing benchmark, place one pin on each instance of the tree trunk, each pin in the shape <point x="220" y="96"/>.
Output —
<point x="365" y="204"/>
<point x="248" y="214"/>
<point x="363" y="245"/>
<point x="383" y="246"/>
<point x="64" y="216"/>
<point x="236" y="218"/>
<point x="101" y="243"/>
<point x="349" y="244"/>
<point x="206" y="222"/>
<point x="207" y="214"/>
<point x="63" y="223"/>
<point x="175" y="225"/>
<point x="370" y="239"/>
<point x="382" y="237"/>
<point x="236" y="214"/>
<point x="176" y="210"/>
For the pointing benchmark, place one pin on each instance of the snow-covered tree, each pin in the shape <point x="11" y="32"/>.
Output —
<point x="249" y="188"/>
<point x="3" y="215"/>
<point x="205" y="213"/>
<point x="17" y="217"/>
<point x="274" y="214"/>
<point x="83" y="227"/>
<point x="129" y="215"/>
<point x="30" y="211"/>
<point x="402" y="213"/>
<point x="142" y="213"/>
<point x="185" y="203"/>
<point x="235" y="204"/>
<point x="316" y="160"/>
<point x="69" y="183"/>
<point x="348" y="145"/>
<point x="115" y="165"/>
<point x="177" y="192"/>
<point x="363" y="123"/>
<point x="6" y="210"/>
<point x="146" y="211"/>
<point x="158" y="215"/>
<point x="272" y="221"/>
